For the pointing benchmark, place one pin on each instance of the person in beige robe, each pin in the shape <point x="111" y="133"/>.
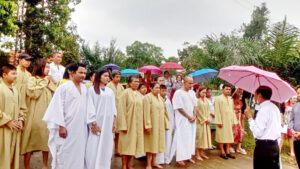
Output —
<point x="203" y="134"/>
<point x="35" y="133"/>
<point x="225" y="119"/>
<point x="156" y="121"/>
<point x="130" y="123"/>
<point x="11" y="120"/>
<point x="22" y="78"/>
<point x="117" y="88"/>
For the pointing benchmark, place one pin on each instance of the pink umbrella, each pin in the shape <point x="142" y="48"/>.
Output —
<point x="249" y="78"/>
<point x="154" y="69"/>
<point x="171" y="66"/>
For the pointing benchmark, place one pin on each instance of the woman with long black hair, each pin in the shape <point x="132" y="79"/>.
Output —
<point x="101" y="119"/>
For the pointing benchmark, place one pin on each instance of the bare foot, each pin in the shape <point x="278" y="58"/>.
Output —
<point x="45" y="167"/>
<point x="181" y="163"/>
<point x="204" y="156"/>
<point x="192" y="161"/>
<point x="148" y="167"/>
<point x="199" y="158"/>
<point x="156" y="166"/>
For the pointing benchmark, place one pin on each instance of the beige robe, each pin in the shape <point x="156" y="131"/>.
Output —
<point x="203" y="135"/>
<point x="130" y="119"/>
<point x="35" y="133"/>
<point x="225" y="115"/>
<point x="21" y="85"/>
<point x="10" y="140"/>
<point x="155" y="118"/>
<point x="117" y="90"/>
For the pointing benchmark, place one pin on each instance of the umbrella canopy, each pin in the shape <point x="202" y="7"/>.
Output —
<point x="129" y="72"/>
<point x="154" y="69"/>
<point x="171" y="66"/>
<point x="112" y="66"/>
<point x="203" y="75"/>
<point x="249" y="78"/>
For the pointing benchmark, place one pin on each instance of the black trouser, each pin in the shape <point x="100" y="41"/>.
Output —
<point x="297" y="151"/>
<point x="266" y="154"/>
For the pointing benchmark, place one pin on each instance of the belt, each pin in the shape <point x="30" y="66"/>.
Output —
<point x="265" y="141"/>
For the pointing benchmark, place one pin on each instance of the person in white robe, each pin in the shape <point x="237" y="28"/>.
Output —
<point x="184" y="104"/>
<point x="101" y="119"/>
<point x="66" y="121"/>
<point x="165" y="158"/>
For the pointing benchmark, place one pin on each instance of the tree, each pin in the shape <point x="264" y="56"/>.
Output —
<point x="7" y="18"/>
<point x="283" y="56"/>
<point x="258" y="24"/>
<point x="139" y="54"/>
<point x="46" y="29"/>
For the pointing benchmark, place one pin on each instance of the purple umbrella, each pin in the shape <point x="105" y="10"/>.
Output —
<point x="112" y="66"/>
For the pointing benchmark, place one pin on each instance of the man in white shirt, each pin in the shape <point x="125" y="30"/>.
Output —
<point x="266" y="129"/>
<point x="56" y="69"/>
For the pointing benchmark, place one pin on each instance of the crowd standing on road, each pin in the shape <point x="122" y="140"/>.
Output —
<point x="84" y="125"/>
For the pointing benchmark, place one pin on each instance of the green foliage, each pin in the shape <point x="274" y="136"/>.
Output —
<point x="258" y="24"/>
<point x="139" y="54"/>
<point x="46" y="29"/>
<point x="7" y="17"/>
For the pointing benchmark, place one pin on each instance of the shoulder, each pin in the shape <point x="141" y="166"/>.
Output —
<point x="109" y="90"/>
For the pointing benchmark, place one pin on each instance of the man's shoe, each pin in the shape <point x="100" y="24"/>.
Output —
<point x="224" y="156"/>
<point x="230" y="156"/>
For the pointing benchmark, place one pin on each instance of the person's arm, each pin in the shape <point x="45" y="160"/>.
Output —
<point x="292" y="119"/>
<point x="258" y="125"/>
<point x="147" y="113"/>
<point x="218" y="114"/>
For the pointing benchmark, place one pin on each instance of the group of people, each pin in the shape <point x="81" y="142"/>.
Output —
<point x="83" y="125"/>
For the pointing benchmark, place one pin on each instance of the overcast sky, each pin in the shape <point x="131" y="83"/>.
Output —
<point x="170" y="23"/>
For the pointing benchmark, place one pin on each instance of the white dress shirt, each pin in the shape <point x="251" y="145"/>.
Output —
<point x="56" y="72"/>
<point x="267" y="124"/>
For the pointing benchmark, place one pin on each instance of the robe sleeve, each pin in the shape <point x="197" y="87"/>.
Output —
<point x="147" y="112"/>
<point x="218" y="115"/>
<point x="121" y="118"/>
<point x="91" y="110"/>
<point x="54" y="115"/>
<point x="167" y="119"/>
<point x="113" y="101"/>
<point x="200" y="116"/>
<point x="51" y="86"/>
<point x="35" y="87"/>
<point x="177" y="101"/>
<point x="4" y="117"/>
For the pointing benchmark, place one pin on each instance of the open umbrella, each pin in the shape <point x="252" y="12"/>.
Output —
<point x="171" y="66"/>
<point x="129" y="72"/>
<point x="112" y="66"/>
<point x="154" y="69"/>
<point x="249" y="78"/>
<point x="203" y="75"/>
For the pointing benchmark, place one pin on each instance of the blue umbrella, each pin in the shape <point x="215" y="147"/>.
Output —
<point x="203" y="75"/>
<point x="112" y="66"/>
<point x="129" y="72"/>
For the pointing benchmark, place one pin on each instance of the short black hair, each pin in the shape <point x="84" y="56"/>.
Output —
<point x="166" y="72"/>
<point x="153" y="84"/>
<point x="141" y="85"/>
<point x="74" y="67"/>
<point x="265" y="91"/>
<point x="225" y="85"/>
<point x="130" y="78"/>
<point x="163" y="86"/>
<point x="6" y="69"/>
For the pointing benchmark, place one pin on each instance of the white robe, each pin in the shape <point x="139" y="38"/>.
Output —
<point x="165" y="158"/>
<point x="68" y="109"/>
<point x="102" y="109"/>
<point x="185" y="133"/>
